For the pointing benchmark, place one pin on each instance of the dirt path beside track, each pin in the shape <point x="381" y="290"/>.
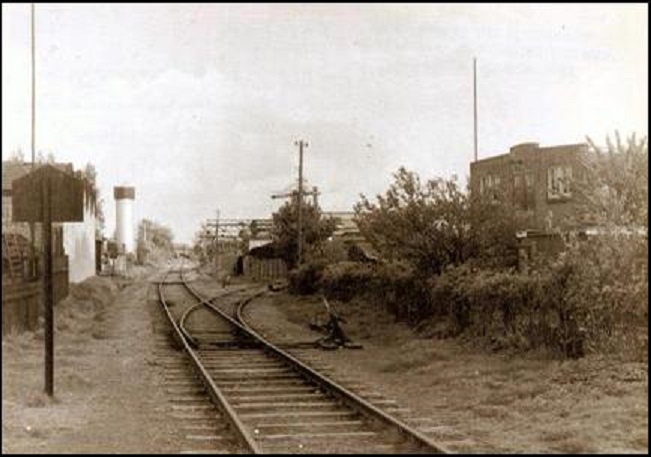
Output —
<point x="107" y="395"/>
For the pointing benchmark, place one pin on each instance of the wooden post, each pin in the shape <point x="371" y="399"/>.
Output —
<point x="47" y="195"/>
<point x="48" y="284"/>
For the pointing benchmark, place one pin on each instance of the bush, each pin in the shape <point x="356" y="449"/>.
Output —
<point x="391" y="286"/>
<point x="344" y="280"/>
<point x="600" y="288"/>
<point x="500" y="306"/>
<point x="306" y="279"/>
<point x="593" y="297"/>
<point x="404" y="292"/>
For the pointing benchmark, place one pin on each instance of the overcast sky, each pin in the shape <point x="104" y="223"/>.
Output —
<point x="198" y="106"/>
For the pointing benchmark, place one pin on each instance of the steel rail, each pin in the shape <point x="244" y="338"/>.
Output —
<point x="216" y="395"/>
<point x="349" y="398"/>
<point x="193" y="341"/>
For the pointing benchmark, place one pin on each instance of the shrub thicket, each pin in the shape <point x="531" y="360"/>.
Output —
<point x="343" y="280"/>
<point x="306" y="279"/>
<point x="592" y="297"/>
<point x="392" y="287"/>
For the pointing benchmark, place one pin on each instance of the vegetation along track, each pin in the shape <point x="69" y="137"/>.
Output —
<point x="271" y="401"/>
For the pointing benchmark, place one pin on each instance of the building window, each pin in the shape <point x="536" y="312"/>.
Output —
<point x="489" y="186"/>
<point x="528" y="181"/>
<point x="485" y="183"/>
<point x="559" y="180"/>
<point x="519" y="193"/>
<point x="523" y="194"/>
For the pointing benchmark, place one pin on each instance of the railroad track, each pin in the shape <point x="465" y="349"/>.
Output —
<point x="270" y="401"/>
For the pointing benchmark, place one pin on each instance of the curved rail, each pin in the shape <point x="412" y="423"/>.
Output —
<point x="216" y="396"/>
<point x="192" y="340"/>
<point x="351" y="399"/>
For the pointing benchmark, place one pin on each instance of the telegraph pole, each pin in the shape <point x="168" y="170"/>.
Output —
<point x="474" y="85"/>
<point x="33" y="90"/>
<point x="32" y="229"/>
<point x="301" y="144"/>
<point x="217" y="243"/>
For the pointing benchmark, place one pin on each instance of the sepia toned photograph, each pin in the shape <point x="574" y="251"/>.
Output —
<point x="311" y="228"/>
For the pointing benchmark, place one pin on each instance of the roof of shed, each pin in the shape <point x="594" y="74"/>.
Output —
<point x="12" y="170"/>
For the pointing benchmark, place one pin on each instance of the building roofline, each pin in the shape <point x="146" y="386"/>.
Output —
<point x="540" y="148"/>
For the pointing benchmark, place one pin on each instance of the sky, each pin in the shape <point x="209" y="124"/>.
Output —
<point x="198" y="105"/>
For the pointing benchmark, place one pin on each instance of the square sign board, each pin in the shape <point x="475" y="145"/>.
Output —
<point x="66" y="196"/>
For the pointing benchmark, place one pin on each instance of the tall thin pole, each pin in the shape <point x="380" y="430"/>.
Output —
<point x="33" y="91"/>
<point x="32" y="228"/>
<point x="474" y="85"/>
<point x="48" y="285"/>
<point x="217" y="242"/>
<point x="301" y="144"/>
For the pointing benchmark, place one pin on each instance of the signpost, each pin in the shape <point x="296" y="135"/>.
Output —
<point x="48" y="195"/>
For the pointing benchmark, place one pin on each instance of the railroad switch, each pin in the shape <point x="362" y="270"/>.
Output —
<point x="335" y="337"/>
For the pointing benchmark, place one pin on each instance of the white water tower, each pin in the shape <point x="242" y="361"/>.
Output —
<point x="124" y="231"/>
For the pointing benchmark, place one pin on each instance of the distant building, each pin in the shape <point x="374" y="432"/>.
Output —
<point x="538" y="182"/>
<point x="347" y="231"/>
<point x="346" y="226"/>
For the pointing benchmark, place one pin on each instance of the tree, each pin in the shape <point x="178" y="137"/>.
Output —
<point x="493" y="227"/>
<point x="425" y="224"/>
<point x="284" y="232"/>
<point x="244" y="236"/>
<point x="204" y="245"/>
<point x="605" y="277"/>
<point x="17" y="156"/>
<point x="154" y="241"/>
<point x="615" y="184"/>
<point x="89" y="174"/>
<point x="435" y="224"/>
<point x="42" y="158"/>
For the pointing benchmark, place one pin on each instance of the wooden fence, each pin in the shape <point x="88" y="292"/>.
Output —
<point x="264" y="269"/>
<point x="21" y="306"/>
<point x="21" y="300"/>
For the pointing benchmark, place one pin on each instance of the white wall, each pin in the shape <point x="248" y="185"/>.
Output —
<point x="79" y="246"/>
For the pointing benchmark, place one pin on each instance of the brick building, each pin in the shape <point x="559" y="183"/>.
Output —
<point x="538" y="182"/>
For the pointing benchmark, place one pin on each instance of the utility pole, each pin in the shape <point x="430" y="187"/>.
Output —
<point x="315" y="194"/>
<point x="474" y="85"/>
<point x="32" y="228"/>
<point x="301" y="144"/>
<point x="33" y="90"/>
<point x="217" y="243"/>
